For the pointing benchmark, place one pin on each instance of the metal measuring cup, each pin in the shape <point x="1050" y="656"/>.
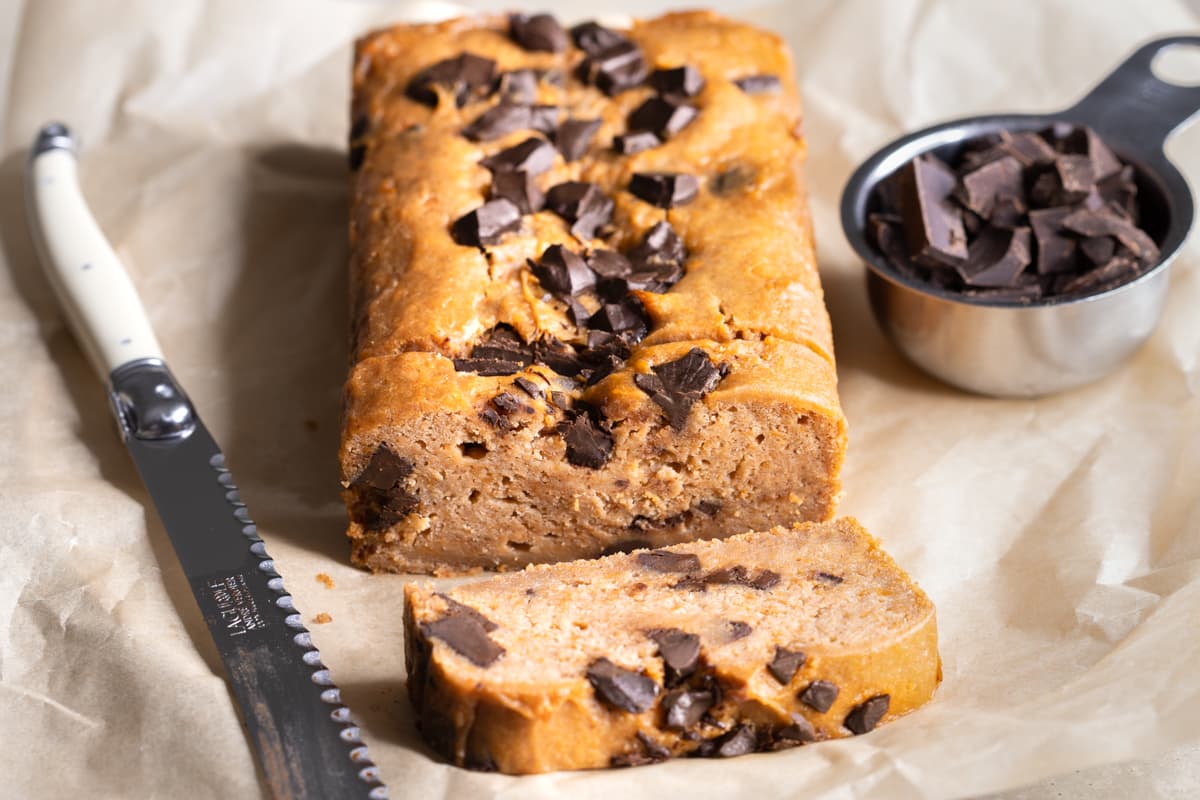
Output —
<point x="1005" y="348"/>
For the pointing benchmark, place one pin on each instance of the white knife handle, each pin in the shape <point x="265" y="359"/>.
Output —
<point x="100" y="301"/>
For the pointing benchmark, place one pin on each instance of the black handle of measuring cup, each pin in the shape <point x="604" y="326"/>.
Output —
<point x="1134" y="109"/>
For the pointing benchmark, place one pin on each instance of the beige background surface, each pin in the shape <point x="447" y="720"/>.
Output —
<point x="1060" y="538"/>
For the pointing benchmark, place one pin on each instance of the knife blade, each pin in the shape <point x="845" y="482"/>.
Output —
<point x="304" y="737"/>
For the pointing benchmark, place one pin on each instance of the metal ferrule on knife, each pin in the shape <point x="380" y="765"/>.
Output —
<point x="303" y="735"/>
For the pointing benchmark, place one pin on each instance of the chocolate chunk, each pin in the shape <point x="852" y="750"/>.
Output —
<point x="1105" y="222"/>
<point x="1120" y="191"/>
<point x="738" y="575"/>
<point x="660" y="247"/>
<point x="518" y="87"/>
<point x="677" y="385"/>
<point x="502" y="352"/>
<point x="1098" y="249"/>
<point x="679" y="650"/>
<point x="480" y="762"/>
<point x="667" y="561"/>
<point x="982" y="187"/>
<point x="759" y="84"/>
<point x="487" y="224"/>
<point x="455" y="607"/>
<point x="530" y="388"/>
<point x="574" y="136"/>
<point x="651" y="753"/>
<point x="466" y="636"/>
<point x="664" y="189"/>
<point x="626" y="316"/>
<point x="932" y="224"/>
<point x="558" y="356"/>
<point x="1027" y="147"/>
<point x="518" y="188"/>
<point x="661" y="116"/>
<point x="384" y="471"/>
<point x="996" y="257"/>
<point x="1083" y="140"/>
<point x="615" y="68"/>
<point x="819" y="695"/>
<point x="534" y="155"/>
<point x="1117" y="270"/>
<point x="828" y="577"/>
<point x="609" y="264"/>
<point x="465" y="77"/>
<point x="682" y="81"/>
<point x="738" y="630"/>
<point x="584" y="205"/>
<point x="504" y="118"/>
<point x="539" y="33"/>
<point x="635" y="142"/>
<point x="799" y="732"/>
<point x="506" y="404"/>
<point x="591" y="37"/>
<point x="732" y="179"/>
<point x="563" y="272"/>
<point x="621" y="688"/>
<point x="1076" y="176"/>
<point x="358" y="154"/>
<point x="863" y="718"/>
<point x="738" y="742"/>
<point x="376" y="510"/>
<point x="1056" y="252"/>
<point x="786" y="664"/>
<point x="683" y="708"/>
<point x="708" y="508"/>
<point x="588" y="443"/>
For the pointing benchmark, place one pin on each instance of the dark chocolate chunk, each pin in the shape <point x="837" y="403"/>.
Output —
<point x="682" y="81"/>
<point x="358" y="154"/>
<point x="480" y="762"/>
<point x="651" y="753"/>
<point x="574" y="136"/>
<point x="1104" y="222"/>
<point x="518" y="188"/>
<point x="504" y="118"/>
<point x="1117" y="270"/>
<point x="540" y="32"/>
<point x="679" y="650"/>
<point x="1098" y="249"/>
<point x="455" y="607"/>
<point x="786" y="664"/>
<point x="534" y="155"/>
<point x="591" y="37"/>
<point x="558" y="356"/>
<point x="664" y="189"/>
<point x="614" y="69"/>
<point x="739" y="630"/>
<point x="384" y="471"/>
<point x="530" y="388"/>
<point x="738" y="742"/>
<point x="683" y="708"/>
<point x="1076" y="176"/>
<point x="376" y="510"/>
<point x="584" y="205"/>
<point x="661" y="116"/>
<point x="819" y="695"/>
<point x="588" y="443"/>
<point x="563" y="272"/>
<point x="635" y="142"/>
<point x="621" y="688"/>
<point x="708" y="508"/>
<point x="609" y="264"/>
<point x="487" y="224"/>
<point x="660" y="247"/>
<point x="733" y="179"/>
<point x="1083" y="140"/>
<point x="1056" y="252"/>
<point x="506" y="404"/>
<point x="828" y="577"/>
<point x="466" y="636"/>
<point x="1027" y="147"/>
<point x="983" y="186"/>
<point x="932" y="224"/>
<point x="667" y="561"/>
<point x="996" y="257"/>
<point x="864" y="717"/>
<point x="799" y="732"/>
<point x="519" y="87"/>
<point x="545" y="118"/>
<point x="759" y="84"/>
<point x="464" y="76"/>
<point x="677" y="385"/>
<point x="738" y="575"/>
<point x="626" y="316"/>
<point x="1120" y="191"/>
<point x="502" y="352"/>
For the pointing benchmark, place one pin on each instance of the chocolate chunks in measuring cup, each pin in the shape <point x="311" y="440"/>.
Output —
<point x="1019" y="215"/>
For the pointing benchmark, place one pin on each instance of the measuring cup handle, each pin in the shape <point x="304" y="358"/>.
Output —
<point x="1135" y="108"/>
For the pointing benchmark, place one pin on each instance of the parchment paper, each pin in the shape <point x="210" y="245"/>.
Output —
<point x="1059" y="538"/>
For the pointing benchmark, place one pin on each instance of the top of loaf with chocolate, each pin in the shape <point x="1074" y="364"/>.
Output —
<point x="586" y="306"/>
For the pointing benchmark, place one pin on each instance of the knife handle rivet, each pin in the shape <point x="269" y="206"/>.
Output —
<point x="359" y="754"/>
<point x="250" y="531"/>
<point x="370" y="775"/>
<point x="303" y="639"/>
<point x="322" y="678"/>
<point x="286" y="603"/>
<point x="332" y="696"/>
<point x="259" y="549"/>
<point x="340" y="714"/>
<point x="312" y="658"/>
<point x="234" y="497"/>
<point x="294" y="621"/>
<point x="225" y="478"/>
<point x="267" y="565"/>
<point x="350" y="735"/>
<point x="241" y="514"/>
<point x="275" y="584"/>
<point x="379" y="792"/>
<point x="217" y="461"/>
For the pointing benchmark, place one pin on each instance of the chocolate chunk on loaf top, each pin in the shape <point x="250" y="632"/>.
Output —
<point x="586" y="308"/>
<point x="703" y="649"/>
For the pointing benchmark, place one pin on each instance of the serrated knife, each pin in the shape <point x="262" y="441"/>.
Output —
<point x="304" y="737"/>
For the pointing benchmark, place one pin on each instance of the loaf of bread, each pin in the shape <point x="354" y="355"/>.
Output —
<point x="757" y="642"/>
<point x="587" y="315"/>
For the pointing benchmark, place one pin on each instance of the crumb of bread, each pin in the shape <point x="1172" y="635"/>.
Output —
<point x="322" y="618"/>
<point x="325" y="579"/>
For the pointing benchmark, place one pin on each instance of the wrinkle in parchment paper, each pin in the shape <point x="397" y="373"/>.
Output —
<point x="1060" y="538"/>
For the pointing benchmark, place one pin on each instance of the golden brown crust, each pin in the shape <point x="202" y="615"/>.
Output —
<point x="860" y="622"/>
<point x="751" y="295"/>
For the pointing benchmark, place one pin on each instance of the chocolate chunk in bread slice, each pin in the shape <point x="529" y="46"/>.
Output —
<point x="707" y="649"/>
